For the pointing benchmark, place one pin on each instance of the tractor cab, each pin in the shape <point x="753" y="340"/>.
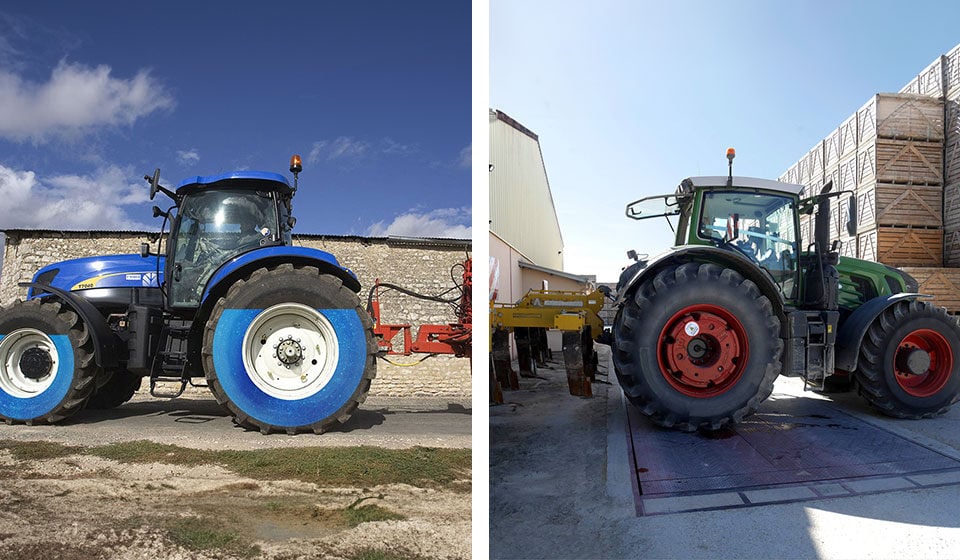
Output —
<point x="215" y="219"/>
<point x="754" y="218"/>
<point x="219" y="218"/>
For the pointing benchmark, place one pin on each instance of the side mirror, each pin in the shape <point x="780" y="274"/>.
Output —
<point x="852" y="216"/>
<point x="154" y="183"/>
<point x="631" y="254"/>
<point x="158" y="212"/>
<point x="144" y="250"/>
<point x="291" y="221"/>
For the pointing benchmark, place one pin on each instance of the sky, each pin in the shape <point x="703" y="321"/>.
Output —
<point x="630" y="97"/>
<point x="374" y="95"/>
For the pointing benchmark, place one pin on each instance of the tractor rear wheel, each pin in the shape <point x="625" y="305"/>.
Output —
<point x="698" y="346"/>
<point x="47" y="368"/>
<point x="119" y="388"/>
<point x="909" y="363"/>
<point x="289" y="349"/>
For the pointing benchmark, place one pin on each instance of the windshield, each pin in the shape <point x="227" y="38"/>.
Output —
<point x="759" y="226"/>
<point x="214" y="226"/>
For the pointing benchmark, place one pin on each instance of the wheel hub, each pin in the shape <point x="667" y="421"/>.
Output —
<point x="36" y="363"/>
<point x="913" y="361"/>
<point x="697" y="348"/>
<point x="289" y="352"/>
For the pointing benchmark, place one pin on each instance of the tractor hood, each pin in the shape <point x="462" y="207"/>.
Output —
<point x="112" y="271"/>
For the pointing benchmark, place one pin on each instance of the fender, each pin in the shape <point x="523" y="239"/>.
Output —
<point x="850" y="334"/>
<point x="266" y="256"/>
<point x="705" y="253"/>
<point x="106" y="345"/>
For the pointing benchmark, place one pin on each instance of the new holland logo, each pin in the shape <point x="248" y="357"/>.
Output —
<point x="149" y="279"/>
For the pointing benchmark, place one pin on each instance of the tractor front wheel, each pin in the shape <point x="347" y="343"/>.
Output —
<point x="697" y="346"/>
<point x="289" y="349"/>
<point x="119" y="388"/>
<point x="47" y="368"/>
<point x="909" y="363"/>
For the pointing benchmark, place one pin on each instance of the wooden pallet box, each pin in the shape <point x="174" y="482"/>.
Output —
<point x="791" y="175"/>
<point x="941" y="283"/>
<point x="930" y="81"/>
<point x="841" y="143"/>
<point x="951" y="248"/>
<point x="811" y="167"/>
<point x="951" y="142"/>
<point x="843" y="174"/>
<point x="884" y="204"/>
<point x="901" y="116"/>
<point x="951" y="207"/>
<point x="901" y="246"/>
<point x="951" y="73"/>
<point x="900" y="161"/>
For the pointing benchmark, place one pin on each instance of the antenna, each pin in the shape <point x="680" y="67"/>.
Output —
<point x="731" y="153"/>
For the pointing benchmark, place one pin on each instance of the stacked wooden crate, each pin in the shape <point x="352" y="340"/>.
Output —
<point x="941" y="80"/>
<point x="889" y="155"/>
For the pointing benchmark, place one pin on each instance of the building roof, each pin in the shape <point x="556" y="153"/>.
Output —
<point x="560" y="273"/>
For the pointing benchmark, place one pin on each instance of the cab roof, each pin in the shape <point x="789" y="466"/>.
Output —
<point x="236" y="179"/>
<point x="749" y="182"/>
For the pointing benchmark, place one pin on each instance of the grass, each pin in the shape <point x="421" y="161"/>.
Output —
<point x="423" y="467"/>
<point x="201" y="533"/>
<point x="375" y="554"/>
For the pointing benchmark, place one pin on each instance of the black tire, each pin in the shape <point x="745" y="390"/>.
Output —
<point x="697" y="347"/>
<point x="307" y="383"/>
<point x="47" y="367"/>
<point x="119" y="388"/>
<point x="883" y="373"/>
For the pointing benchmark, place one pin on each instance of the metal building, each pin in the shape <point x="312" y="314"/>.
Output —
<point x="525" y="240"/>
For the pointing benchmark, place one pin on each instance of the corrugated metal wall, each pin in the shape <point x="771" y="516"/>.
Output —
<point x="521" y="206"/>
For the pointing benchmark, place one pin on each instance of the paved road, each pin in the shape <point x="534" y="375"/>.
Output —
<point x="560" y="488"/>
<point x="195" y="420"/>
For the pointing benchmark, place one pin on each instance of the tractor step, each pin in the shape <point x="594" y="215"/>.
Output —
<point x="158" y="392"/>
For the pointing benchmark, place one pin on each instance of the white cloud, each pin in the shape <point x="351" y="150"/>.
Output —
<point x="188" y="157"/>
<point x="76" y="99"/>
<point x="465" y="159"/>
<point x="342" y="147"/>
<point x="70" y="202"/>
<point x="441" y="222"/>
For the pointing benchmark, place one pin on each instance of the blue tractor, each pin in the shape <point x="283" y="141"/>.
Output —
<point x="274" y="330"/>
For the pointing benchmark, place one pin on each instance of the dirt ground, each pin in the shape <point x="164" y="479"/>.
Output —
<point x="87" y="507"/>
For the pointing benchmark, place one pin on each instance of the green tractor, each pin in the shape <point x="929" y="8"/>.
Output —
<point x="703" y="330"/>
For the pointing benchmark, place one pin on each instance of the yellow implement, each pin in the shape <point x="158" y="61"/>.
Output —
<point x="577" y="314"/>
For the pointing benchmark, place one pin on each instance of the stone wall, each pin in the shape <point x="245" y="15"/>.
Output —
<point x="420" y="265"/>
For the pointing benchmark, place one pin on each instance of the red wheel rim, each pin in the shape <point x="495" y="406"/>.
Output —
<point x="938" y="351"/>
<point x="702" y="351"/>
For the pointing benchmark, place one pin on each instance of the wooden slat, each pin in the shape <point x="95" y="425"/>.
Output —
<point x="941" y="283"/>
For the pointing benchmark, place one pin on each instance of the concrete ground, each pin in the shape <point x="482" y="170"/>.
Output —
<point x="560" y="488"/>
<point x="195" y="420"/>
